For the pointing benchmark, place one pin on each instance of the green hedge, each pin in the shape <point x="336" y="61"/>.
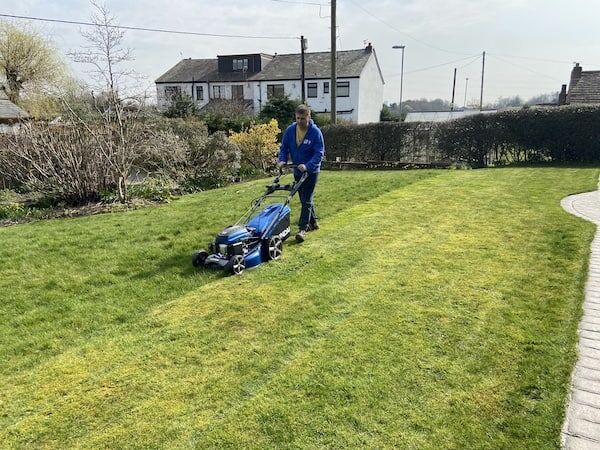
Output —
<point x="383" y="141"/>
<point x="561" y="134"/>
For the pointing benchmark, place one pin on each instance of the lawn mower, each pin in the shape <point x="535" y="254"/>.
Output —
<point x="254" y="238"/>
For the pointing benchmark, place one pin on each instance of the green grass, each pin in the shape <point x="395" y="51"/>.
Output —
<point x="434" y="309"/>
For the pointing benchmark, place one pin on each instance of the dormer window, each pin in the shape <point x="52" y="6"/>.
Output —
<point x="240" y="64"/>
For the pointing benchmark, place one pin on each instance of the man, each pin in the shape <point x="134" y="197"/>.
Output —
<point x="303" y="141"/>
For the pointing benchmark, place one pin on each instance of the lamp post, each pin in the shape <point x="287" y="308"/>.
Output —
<point x="401" y="47"/>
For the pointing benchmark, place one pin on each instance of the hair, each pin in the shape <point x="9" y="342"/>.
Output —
<point x="302" y="109"/>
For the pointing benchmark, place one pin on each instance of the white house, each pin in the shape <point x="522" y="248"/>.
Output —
<point x="257" y="77"/>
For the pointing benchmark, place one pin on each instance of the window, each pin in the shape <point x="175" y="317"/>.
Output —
<point x="171" y="91"/>
<point x="240" y="64"/>
<point x="218" y="91"/>
<point x="326" y="87"/>
<point x="275" y="90"/>
<point x="199" y="92"/>
<point x="311" y="91"/>
<point x="237" y="92"/>
<point x="343" y="89"/>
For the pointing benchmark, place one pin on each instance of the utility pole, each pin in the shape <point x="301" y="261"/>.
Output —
<point x="482" y="73"/>
<point x="333" y="86"/>
<point x="466" y="86"/>
<point x="401" y="47"/>
<point x="302" y="48"/>
<point x="453" y="90"/>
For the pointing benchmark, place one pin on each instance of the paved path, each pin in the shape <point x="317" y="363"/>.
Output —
<point x="581" y="429"/>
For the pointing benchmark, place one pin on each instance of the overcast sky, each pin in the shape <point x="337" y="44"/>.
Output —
<point x="530" y="44"/>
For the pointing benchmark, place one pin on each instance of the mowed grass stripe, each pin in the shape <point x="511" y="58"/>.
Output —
<point x="225" y="303"/>
<point x="63" y="282"/>
<point x="387" y="315"/>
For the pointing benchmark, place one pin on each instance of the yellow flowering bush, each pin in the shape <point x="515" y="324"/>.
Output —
<point x="258" y="143"/>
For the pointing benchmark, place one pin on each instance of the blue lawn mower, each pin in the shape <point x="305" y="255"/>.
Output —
<point x="254" y="238"/>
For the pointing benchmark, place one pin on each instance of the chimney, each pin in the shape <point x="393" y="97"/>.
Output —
<point x="575" y="76"/>
<point x="562" y="97"/>
<point x="369" y="48"/>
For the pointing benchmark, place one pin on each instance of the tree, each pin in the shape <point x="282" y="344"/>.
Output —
<point x="26" y="58"/>
<point x="281" y="108"/>
<point x="105" y="55"/>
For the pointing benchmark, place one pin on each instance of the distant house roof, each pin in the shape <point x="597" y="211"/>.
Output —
<point x="349" y="64"/>
<point x="585" y="89"/>
<point x="9" y="111"/>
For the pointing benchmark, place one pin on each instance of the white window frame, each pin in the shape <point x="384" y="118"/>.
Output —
<point x="272" y="87"/>
<point x="240" y="64"/>
<point x="342" y="86"/>
<point x="218" y="91"/>
<point x="234" y="87"/>
<point x="172" y="91"/>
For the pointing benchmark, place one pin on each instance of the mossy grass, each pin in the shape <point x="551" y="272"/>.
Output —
<point x="433" y="309"/>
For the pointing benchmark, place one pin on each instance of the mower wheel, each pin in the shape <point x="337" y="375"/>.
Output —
<point x="272" y="248"/>
<point x="199" y="257"/>
<point x="237" y="264"/>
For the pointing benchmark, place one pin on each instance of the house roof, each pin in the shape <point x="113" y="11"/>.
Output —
<point x="189" y="69"/>
<point x="10" y="111"/>
<point x="587" y="89"/>
<point x="350" y="64"/>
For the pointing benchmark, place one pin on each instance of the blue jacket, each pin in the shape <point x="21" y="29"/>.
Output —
<point x="311" y="150"/>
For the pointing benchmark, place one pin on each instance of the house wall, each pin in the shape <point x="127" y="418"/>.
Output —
<point x="322" y="102"/>
<point x="186" y="88"/>
<point x="370" y="100"/>
<point x="365" y="93"/>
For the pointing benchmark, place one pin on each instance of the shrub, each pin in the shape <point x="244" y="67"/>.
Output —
<point x="62" y="162"/>
<point x="153" y="188"/>
<point x="258" y="144"/>
<point x="216" y="164"/>
<point x="226" y="115"/>
<point x="280" y="108"/>
<point x="181" y="105"/>
<point x="12" y="210"/>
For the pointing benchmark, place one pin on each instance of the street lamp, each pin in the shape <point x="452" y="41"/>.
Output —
<point x="401" y="47"/>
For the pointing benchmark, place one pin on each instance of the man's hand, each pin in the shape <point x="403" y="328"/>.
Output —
<point x="301" y="167"/>
<point x="280" y="164"/>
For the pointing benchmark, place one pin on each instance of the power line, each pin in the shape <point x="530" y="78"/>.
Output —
<point x="153" y="30"/>
<point x="403" y="32"/>
<point x="527" y="68"/>
<point x="532" y="58"/>
<point x="475" y="57"/>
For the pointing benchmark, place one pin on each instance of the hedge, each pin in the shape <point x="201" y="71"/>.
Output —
<point x="561" y="134"/>
<point x="383" y="141"/>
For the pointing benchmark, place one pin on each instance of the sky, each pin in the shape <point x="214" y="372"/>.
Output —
<point x="530" y="45"/>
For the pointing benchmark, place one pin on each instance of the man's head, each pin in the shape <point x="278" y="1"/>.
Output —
<point x="302" y="116"/>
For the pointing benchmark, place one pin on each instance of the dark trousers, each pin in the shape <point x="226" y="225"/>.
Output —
<point x="306" y="194"/>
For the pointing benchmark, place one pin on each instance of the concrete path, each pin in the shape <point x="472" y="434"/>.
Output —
<point x="581" y="429"/>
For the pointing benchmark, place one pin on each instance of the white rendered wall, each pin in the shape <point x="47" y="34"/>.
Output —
<point x="370" y="100"/>
<point x="186" y="88"/>
<point x="319" y="104"/>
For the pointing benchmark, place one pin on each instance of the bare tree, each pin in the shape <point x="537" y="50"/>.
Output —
<point x="106" y="55"/>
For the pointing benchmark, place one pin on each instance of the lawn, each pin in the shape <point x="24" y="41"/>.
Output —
<point x="433" y="309"/>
